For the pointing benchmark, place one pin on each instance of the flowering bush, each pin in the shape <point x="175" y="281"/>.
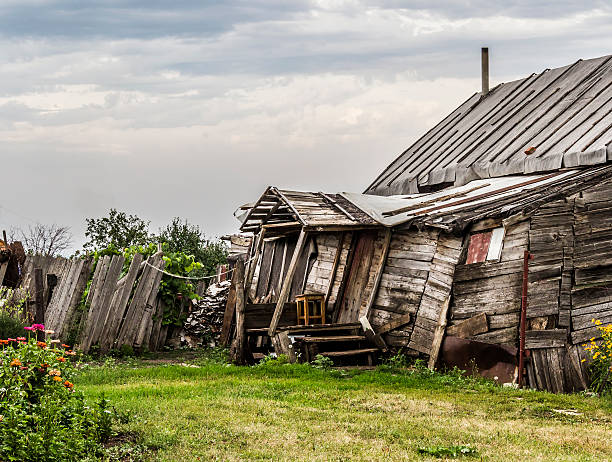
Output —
<point x="601" y="358"/>
<point x="42" y="417"/>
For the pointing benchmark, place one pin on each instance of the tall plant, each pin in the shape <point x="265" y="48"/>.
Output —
<point x="601" y="359"/>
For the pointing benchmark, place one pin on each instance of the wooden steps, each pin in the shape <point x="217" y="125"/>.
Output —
<point x="333" y="338"/>
<point x="337" y="354"/>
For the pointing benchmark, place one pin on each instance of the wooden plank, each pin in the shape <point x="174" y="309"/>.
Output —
<point x="470" y="327"/>
<point x="334" y="270"/>
<point x="100" y="305"/>
<point x="487" y="269"/>
<point x="395" y="324"/>
<point x="230" y="307"/>
<point x="119" y="305"/>
<point x="337" y="354"/>
<point x="505" y="336"/>
<point x="144" y="331"/>
<point x="379" y="272"/>
<point x="133" y="315"/>
<point x="551" y="338"/>
<point x="438" y="334"/>
<point x="284" y="294"/>
<point x="371" y="335"/>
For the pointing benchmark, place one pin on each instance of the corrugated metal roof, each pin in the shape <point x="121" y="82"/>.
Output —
<point x="451" y="209"/>
<point x="456" y="207"/>
<point x="564" y="113"/>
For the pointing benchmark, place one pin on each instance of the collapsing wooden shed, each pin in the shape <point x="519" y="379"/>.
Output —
<point x="439" y="274"/>
<point x="486" y="243"/>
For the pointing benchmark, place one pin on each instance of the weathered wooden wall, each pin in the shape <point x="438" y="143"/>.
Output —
<point x="493" y="288"/>
<point x="319" y="278"/>
<point x="274" y="263"/>
<point x="415" y="284"/>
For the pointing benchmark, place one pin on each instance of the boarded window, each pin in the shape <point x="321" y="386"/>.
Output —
<point x="485" y="246"/>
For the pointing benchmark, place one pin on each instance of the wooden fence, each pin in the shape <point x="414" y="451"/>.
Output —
<point x="117" y="311"/>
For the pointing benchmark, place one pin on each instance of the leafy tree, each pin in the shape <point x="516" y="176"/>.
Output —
<point x="117" y="230"/>
<point x="185" y="237"/>
<point x="48" y="240"/>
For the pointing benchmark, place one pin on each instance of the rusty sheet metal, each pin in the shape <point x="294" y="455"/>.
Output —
<point x="488" y="360"/>
<point x="478" y="247"/>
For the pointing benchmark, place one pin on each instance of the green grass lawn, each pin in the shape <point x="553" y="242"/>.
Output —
<point x="296" y="412"/>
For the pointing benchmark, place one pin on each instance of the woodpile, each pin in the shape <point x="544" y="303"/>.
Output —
<point x="205" y="321"/>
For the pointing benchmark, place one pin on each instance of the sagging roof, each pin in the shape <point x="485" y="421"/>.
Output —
<point x="564" y="113"/>
<point x="451" y="209"/>
<point x="278" y="207"/>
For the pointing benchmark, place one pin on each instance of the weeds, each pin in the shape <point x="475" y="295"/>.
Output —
<point x="452" y="452"/>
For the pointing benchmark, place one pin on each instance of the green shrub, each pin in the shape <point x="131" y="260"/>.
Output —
<point x="42" y="417"/>
<point x="10" y="326"/>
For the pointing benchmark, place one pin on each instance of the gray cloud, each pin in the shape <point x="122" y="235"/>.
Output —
<point x="191" y="108"/>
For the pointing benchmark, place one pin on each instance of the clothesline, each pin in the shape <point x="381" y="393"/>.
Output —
<point x="200" y="278"/>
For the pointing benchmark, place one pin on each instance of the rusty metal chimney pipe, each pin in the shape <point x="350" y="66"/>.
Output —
<point x="485" y="70"/>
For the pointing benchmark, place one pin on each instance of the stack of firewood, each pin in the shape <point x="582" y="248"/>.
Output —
<point x="204" y="322"/>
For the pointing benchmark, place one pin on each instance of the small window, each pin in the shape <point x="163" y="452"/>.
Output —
<point x="485" y="246"/>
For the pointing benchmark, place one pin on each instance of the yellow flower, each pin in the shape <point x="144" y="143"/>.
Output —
<point x="57" y="379"/>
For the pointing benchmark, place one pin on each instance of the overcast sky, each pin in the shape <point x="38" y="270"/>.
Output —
<point x="191" y="108"/>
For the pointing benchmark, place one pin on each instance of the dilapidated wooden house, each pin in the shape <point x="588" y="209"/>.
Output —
<point x="488" y="242"/>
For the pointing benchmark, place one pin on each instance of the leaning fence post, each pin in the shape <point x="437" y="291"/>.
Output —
<point x="39" y="314"/>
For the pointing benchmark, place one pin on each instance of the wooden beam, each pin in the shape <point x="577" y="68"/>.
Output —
<point x="325" y="228"/>
<point x="334" y="270"/>
<point x="271" y="212"/>
<point x="395" y="324"/>
<point x="371" y="335"/>
<point x="289" y="204"/>
<point x="284" y="293"/>
<point x="379" y="272"/>
<point x="438" y="335"/>
<point x="338" y="206"/>
<point x="470" y="327"/>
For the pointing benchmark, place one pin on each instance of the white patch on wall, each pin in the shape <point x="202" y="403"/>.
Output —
<point x="497" y="242"/>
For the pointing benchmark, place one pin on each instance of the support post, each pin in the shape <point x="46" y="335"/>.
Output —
<point x="379" y="273"/>
<point x="526" y="258"/>
<point x="238" y="346"/>
<point x="284" y="293"/>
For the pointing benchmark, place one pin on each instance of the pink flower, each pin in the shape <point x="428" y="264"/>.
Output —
<point x="12" y="340"/>
<point x="29" y="328"/>
<point x="21" y="339"/>
<point x="38" y="327"/>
